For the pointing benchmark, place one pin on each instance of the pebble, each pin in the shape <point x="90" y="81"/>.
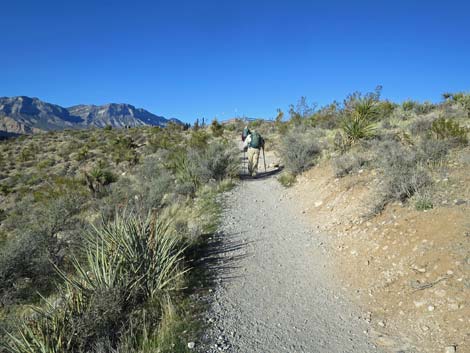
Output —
<point x="450" y="349"/>
<point x="191" y="345"/>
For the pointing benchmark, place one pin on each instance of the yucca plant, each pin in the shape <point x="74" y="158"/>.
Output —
<point x="131" y="260"/>
<point x="359" y="122"/>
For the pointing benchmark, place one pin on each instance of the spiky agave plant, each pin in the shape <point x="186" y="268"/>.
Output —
<point x="141" y="257"/>
<point x="359" y="122"/>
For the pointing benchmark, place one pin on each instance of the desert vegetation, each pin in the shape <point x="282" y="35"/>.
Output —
<point x="407" y="144"/>
<point x="98" y="232"/>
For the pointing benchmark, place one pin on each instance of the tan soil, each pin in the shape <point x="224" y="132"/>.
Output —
<point x="409" y="268"/>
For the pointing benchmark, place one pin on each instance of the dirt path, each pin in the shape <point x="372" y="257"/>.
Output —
<point x="276" y="293"/>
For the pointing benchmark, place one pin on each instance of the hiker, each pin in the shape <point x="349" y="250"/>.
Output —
<point x="253" y="142"/>
<point x="245" y="133"/>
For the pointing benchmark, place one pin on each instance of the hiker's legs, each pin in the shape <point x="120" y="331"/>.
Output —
<point x="253" y="156"/>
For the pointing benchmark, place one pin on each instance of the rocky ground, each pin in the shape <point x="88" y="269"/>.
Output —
<point x="277" y="292"/>
<point x="408" y="268"/>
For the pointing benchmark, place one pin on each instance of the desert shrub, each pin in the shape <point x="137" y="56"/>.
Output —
<point x="154" y="182"/>
<point x="217" y="128"/>
<point x="299" y="150"/>
<point x="123" y="148"/>
<point x="359" y="118"/>
<point x="408" y="105"/>
<point x="163" y="139"/>
<point x="26" y="154"/>
<point x="186" y="168"/>
<point x="44" y="226"/>
<point x="348" y="162"/>
<point x="423" y="201"/>
<point x="25" y="268"/>
<point x="287" y="179"/>
<point x="463" y="100"/>
<point x="128" y="262"/>
<point x="446" y="129"/>
<point x="301" y="111"/>
<point x="421" y="126"/>
<point x="327" y="117"/>
<point x="424" y="108"/>
<point x="430" y="150"/>
<point x="195" y="167"/>
<point x="98" y="180"/>
<point x="386" y="109"/>
<point x="198" y="139"/>
<point x="45" y="163"/>
<point x="403" y="175"/>
<point x="217" y="162"/>
<point x="82" y="154"/>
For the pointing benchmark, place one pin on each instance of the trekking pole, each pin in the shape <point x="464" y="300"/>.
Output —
<point x="264" y="160"/>
<point x="244" y="161"/>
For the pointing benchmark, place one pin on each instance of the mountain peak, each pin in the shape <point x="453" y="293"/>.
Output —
<point x="23" y="114"/>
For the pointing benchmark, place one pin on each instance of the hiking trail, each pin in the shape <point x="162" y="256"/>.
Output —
<point x="274" y="287"/>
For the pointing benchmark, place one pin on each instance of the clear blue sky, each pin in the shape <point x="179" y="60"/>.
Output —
<point x="190" y="59"/>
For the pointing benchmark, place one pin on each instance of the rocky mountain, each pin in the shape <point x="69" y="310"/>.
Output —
<point x="117" y="115"/>
<point x="25" y="115"/>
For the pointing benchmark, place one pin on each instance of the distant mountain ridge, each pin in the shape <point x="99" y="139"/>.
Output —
<point x="26" y="115"/>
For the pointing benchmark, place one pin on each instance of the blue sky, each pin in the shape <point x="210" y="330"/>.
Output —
<point x="190" y="59"/>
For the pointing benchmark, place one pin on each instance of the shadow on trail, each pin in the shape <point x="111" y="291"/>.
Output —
<point x="260" y="175"/>
<point x="217" y="259"/>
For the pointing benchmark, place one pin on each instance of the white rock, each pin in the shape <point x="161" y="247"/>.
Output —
<point x="191" y="345"/>
<point x="451" y="349"/>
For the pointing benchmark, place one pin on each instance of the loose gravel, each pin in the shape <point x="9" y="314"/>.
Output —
<point x="274" y="288"/>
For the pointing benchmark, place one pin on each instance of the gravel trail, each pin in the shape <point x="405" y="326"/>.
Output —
<point x="276" y="292"/>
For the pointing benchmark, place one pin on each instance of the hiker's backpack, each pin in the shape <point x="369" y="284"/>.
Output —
<point x="256" y="140"/>
<point x="245" y="133"/>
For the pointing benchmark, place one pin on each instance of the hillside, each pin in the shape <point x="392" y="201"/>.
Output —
<point x="25" y="115"/>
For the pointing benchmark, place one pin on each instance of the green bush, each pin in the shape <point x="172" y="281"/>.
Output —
<point x="287" y="179"/>
<point x="359" y="120"/>
<point x="446" y="129"/>
<point x="408" y="105"/>
<point x="423" y="202"/>
<point x="198" y="139"/>
<point x="82" y="154"/>
<point x="45" y="163"/>
<point x="98" y="180"/>
<point x="217" y="128"/>
<point x="128" y="262"/>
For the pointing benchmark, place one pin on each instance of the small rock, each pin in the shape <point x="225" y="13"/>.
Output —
<point x="318" y="203"/>
<point x="381" y="323"/>
<point x="450" y="349"/>
<point x="431" y="308"/>
<point x="191" y="345"/>
<point x="459" y="202"/>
